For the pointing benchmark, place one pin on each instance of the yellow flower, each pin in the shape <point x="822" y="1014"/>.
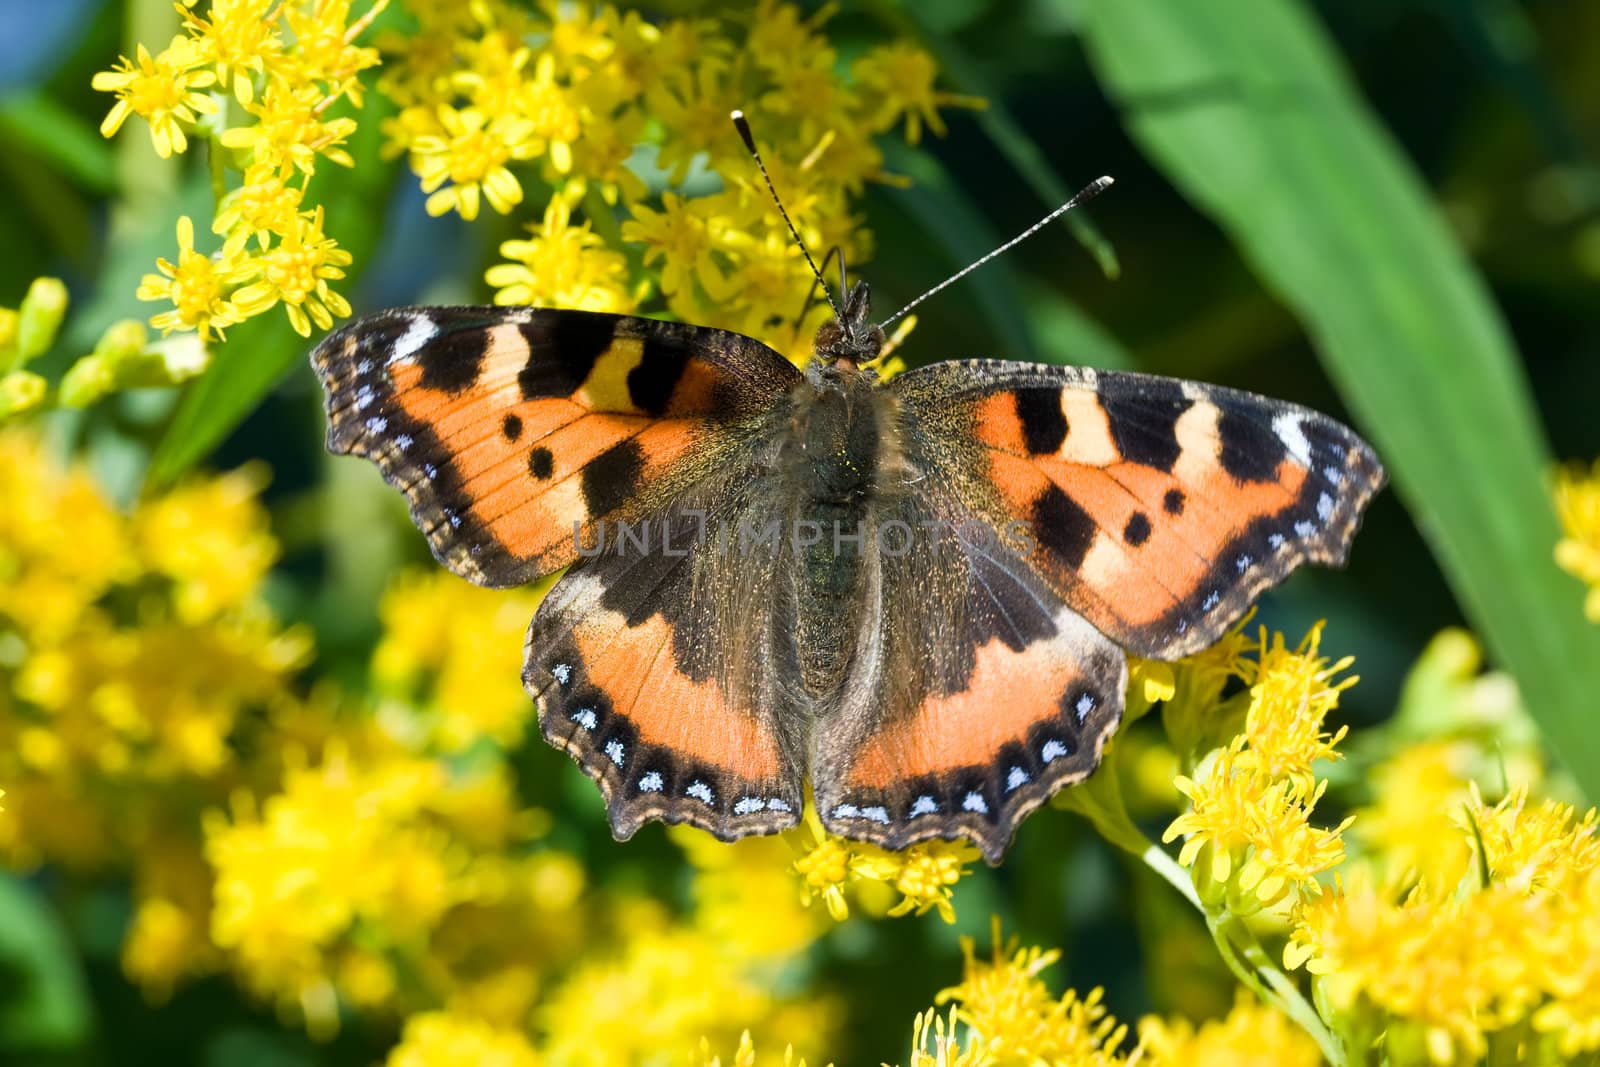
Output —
<point x="343" y="841"/>
<point x="471" y="155"/>
<point x="238" y="40"/>
<point x="1578" y="552"/>
<point x="745" y="1056"/>
<point x="1004" y="1000"/>
<point x="291" y="131"/>
<point x="665" y="988"/>
<point x="554" y="119"/>
<point x="1252" y="1035"/>
<point x="457" y="650"/>
<point x="199" y="286"/>
<point x="923" y="874"/>
<point x="1252" y="833"/>
<point x="737" y="880"/>
<point x="1291" y="694"/>
<point x="324" y="45"/>
<point x="211" y="538"/>
<point x="161" y="946"/>
<point x="1411" y="830"/>
<point x="898" y="79"/>
<point x="443" y="1039"/>
<point x="296" y="271"/>
<point x="562" y="266"/>
<point x="679" y="238"/>
<point x="166" y="90"/>
<point x="263" y="205"/>
<point x="934" y="1043"/>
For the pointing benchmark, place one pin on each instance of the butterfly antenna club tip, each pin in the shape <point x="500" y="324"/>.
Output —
<point x="1082" y="196"/>
<point x="742" y="124"/>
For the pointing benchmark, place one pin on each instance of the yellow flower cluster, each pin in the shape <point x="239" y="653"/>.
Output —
<point x="453" y="653"/>
<point x="334" y="857"/>
<point x="134" y="649"/>
<point x="924" y="875"/>
<point x="1003" y="1014"/>
<point x="1248" y="835"/>
<point x="576" y="92"/>
<point x="289" y="66"/>
<point x="1510" y="954"/>
<point x="1578" y="552"/>
<point x="1004" y="1000"/>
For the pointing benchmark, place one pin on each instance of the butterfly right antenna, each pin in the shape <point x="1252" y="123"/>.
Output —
<point x="743" y="126"/>
<point x="1087" y="193"/>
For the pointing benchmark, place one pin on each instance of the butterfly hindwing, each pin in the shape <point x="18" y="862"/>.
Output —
<point x="1159" y="508"/>
<point x="512" y="431"/>
<point x="980" y="693"/>
<point x="653" y="665"/>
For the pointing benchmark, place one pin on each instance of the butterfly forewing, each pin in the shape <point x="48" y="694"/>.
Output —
<point x="506" y="426"/>
<point x="1159" y="508"/>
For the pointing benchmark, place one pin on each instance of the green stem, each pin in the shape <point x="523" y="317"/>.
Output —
<point x="1284" y="994"/>
<point x="1160" y="861"/>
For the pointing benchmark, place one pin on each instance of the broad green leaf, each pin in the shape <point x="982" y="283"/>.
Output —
<point x="44" y="1003"/>
<point x="1245" y="107"/>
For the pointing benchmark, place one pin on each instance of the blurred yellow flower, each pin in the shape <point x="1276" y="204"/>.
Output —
<point x="1577" y="499"/>
<point x="167" y="90"/>
<point x="1411" y="829"/>
<point x="454" y="651"/>
<point x="443" y="1039"/>
<point x="666" y="987"/>
<point x="210" y="537"/>
<point x="1252" y="1035"/>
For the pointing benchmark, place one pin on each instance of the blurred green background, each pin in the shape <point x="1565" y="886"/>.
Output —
<point x="1386" y="210"/>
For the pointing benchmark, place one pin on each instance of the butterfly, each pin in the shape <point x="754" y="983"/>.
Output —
<point x="916" y="596"/>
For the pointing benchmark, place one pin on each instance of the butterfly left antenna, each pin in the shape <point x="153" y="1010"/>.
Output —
<point x="743" y="126"/>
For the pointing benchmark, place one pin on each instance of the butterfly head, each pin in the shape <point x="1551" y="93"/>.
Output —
<point x="850" y="340"/>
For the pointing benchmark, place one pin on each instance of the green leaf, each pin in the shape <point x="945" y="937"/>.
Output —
<point x="44" y="1003"/>
<point x="57" y="137"/>
<point x="1245" y="106"/>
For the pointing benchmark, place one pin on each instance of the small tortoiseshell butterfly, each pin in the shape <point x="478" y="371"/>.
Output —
<point x="924" y="601"/>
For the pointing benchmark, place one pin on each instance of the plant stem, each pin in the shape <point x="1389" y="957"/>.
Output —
<point x="1247" y="953"/>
